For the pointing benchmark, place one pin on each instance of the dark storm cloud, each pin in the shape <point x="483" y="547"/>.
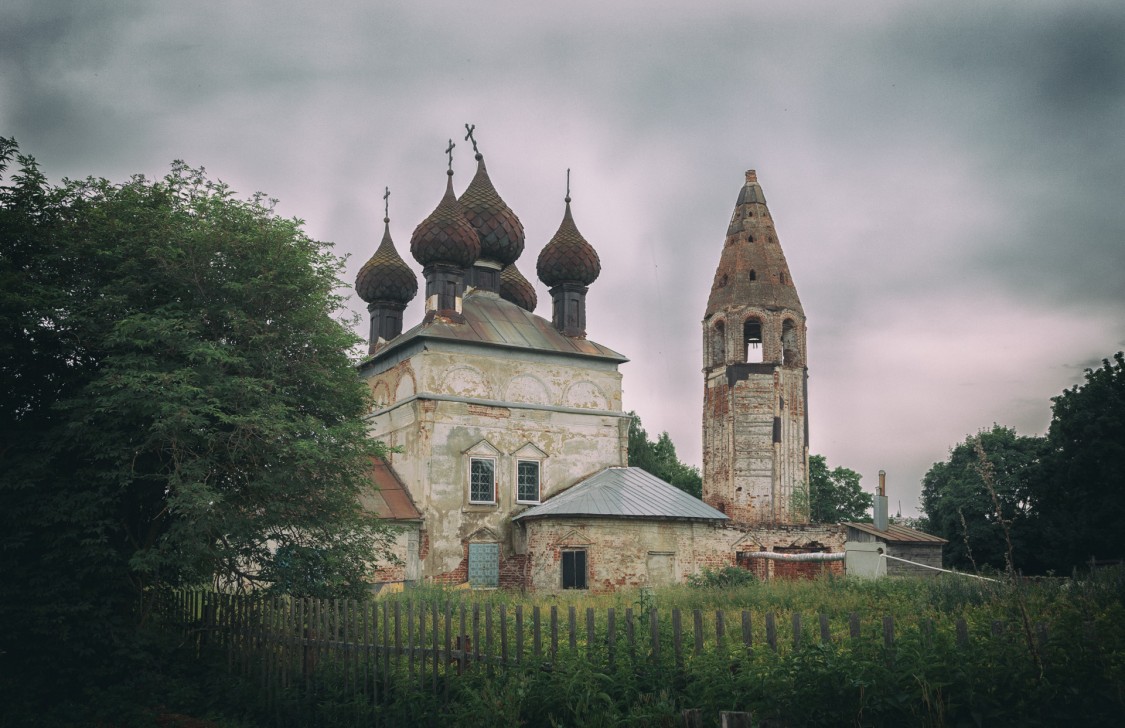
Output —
<point x="1039" y="99"/>
<point x="945" y="178"/>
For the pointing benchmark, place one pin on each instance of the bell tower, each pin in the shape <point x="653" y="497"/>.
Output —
<point x="755" y="421"/>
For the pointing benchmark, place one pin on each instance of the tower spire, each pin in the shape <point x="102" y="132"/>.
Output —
<point x="755" y="423"/>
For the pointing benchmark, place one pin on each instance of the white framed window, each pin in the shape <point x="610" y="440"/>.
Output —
<point x="527" y="481"/>
<point x="482" y="480"/>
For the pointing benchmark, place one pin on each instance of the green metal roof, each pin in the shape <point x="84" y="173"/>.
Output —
<point x="624" y="493"/>
<point x="492" y="321"/>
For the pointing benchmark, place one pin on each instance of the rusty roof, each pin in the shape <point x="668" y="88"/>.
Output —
<point x="390" y="500"/>
<point x="492" y="321"/>
<point x="897" y="534"/>
<point x="625" y="493"/>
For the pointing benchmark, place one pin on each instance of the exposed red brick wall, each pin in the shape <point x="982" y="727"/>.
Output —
<point x="513" y="570"/>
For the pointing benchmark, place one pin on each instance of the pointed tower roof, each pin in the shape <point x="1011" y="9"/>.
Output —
<point x="446" y="236"/>
<point x="517" y="289"/>
<point x="568" y="258"/>
<point x="386" y="276"/>
<point x="752" y="269"/>
<point x="501" y="232"/>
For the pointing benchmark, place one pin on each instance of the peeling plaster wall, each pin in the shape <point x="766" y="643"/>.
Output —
<point x="755" y="454"/>
<point x="450" y="400"/>
<point x="620" y="552"/>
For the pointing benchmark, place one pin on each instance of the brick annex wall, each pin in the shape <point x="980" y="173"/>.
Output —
<point x="618" y="552"/>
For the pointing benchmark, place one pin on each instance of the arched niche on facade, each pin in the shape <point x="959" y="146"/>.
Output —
<point x="405" y="387"/>
<point x="718" y="344"/>
<point x="529" y="389"/>
<point x="466" y="381"/>
<point x="792" y="355"/>
<point x="586" y="395"/>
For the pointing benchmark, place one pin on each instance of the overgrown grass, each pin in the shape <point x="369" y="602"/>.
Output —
<point x="926" y="677"/>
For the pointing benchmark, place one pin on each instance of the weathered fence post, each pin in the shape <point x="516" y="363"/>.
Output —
<point x="697" y="630"/>
<point x="693" y="718"/>
<point x="734" y="719"/>
<point x="677" y="641"/>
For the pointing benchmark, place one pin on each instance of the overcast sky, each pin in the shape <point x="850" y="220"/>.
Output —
<point x="947" y="178"/>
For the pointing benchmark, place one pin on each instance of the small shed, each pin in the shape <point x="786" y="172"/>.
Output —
<point x="909" y="550"/>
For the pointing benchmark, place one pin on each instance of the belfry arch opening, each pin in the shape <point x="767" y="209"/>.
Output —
<point x="719" y="344"/>
<point x="752" y="341"/>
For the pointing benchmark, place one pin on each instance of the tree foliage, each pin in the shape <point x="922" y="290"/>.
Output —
<point x="178" y="408"/>
<point x="659" y="458"/>
<point x="835" y="495"/>
<point x="964" y="501"/>
<point x="1062" y="497"/>
<point x="1082" y="498"/>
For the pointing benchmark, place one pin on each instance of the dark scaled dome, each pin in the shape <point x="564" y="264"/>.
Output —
<point x="568" y="258"/>
<point x="517" y="289"/>
<point x="445" y="236"/>
<point x="501" y="232"/>
<point x="386" y="277"/>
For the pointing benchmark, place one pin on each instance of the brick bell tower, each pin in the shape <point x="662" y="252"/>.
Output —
<point x="755" y="421"/>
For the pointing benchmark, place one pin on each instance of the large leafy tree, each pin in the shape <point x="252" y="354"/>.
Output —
<point x="1082" y="499"/>
<point x="660" y="459"/>
<point x="983" y="497"/>
<point x="178" y="405"/>
<point x="835" y="495"/>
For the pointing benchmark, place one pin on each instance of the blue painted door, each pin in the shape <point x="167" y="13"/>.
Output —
<point x="484" y="565"/>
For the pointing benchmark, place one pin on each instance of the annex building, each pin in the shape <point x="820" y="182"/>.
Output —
<point x="511" y="469"/>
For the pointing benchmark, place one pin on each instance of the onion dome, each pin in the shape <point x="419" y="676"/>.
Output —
<point x="386" y="277"/>
<point x="568" y="258"/>
<point x="517" y="289"/>
<point x="445" y="236"/>
<point x="501" y="232"/>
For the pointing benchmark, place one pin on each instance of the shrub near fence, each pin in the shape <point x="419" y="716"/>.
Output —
<point x="338" y="662"/>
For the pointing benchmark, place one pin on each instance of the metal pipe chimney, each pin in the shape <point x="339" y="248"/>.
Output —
<point x="881" y="503"/>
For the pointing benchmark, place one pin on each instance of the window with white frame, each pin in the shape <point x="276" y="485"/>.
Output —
<point x="527" y="481"/>
<point x="482" y="480"/>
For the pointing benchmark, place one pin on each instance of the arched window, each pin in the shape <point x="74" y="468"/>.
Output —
<point x="752" y="340"/>
<point x="753" y="274"/>
<point x="719" y="344"/>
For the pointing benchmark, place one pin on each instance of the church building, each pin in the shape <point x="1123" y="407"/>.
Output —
<point x="511" y="464"/>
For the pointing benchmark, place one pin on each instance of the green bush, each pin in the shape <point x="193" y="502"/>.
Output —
<point x="723" y="578"/>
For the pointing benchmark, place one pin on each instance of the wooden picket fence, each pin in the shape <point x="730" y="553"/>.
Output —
<point x="369" y="648"/>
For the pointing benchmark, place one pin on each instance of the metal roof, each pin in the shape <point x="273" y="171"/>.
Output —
<point x="624" y="493"/>
<point x="390" y="500"/>
<point x="896" y="533"/>
<point x="492" y="321"/>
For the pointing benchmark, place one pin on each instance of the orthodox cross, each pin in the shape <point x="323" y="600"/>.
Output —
<point x="469" y="136"/>
<point x="449" y="151"/>
<point x="387" y="205"/>
<point x="568" y="184"/>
